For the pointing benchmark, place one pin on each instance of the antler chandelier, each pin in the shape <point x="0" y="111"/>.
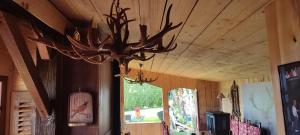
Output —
<point x="140" y="78"/>
<point x="86" y="43"/>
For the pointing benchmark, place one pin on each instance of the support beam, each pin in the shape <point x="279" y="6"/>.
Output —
<point x="46" y="12"/>
<point x="17" y="48"/>
<point x="275" y="60"/>
<point x="28" y="31"/>
<point x="44" y="15"/>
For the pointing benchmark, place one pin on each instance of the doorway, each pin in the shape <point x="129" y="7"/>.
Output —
<point x="3" y="89"/>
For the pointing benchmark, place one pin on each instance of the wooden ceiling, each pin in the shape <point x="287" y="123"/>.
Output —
<point x="221" y="40"/>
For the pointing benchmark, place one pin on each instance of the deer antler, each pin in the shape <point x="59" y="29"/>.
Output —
<point x="154" y="44"/>
<point x="66" y="50"/>
<point x="115" y="46"/>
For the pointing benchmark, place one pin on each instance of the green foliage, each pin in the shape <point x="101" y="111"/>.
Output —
<point x="143" y="96"/>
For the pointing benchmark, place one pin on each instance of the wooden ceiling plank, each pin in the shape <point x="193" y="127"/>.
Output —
<point x="191" y="30"/>
<point x="17" y="48"/>
<point x="69" y="9"/>
<point x="238" y="30"/>
<point x="182" y="11"/>
<point x="201" y="18"/>
<point x="235" y="14"/>
<point x="215" y="60"/>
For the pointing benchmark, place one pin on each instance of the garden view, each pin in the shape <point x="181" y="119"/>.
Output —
<point x="143" y="103"/>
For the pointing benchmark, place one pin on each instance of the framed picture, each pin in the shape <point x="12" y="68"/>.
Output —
<point x="80" y="109"/>
<point x="290" y="93"/>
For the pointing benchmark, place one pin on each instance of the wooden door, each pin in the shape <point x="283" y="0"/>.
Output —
<point x="3" y="89"/>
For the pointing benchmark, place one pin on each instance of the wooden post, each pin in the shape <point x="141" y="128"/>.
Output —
<point x="17" y="48"/>
<point x="283" y="34"/>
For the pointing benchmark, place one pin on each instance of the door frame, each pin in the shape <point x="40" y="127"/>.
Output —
<point x="4" y="80"/>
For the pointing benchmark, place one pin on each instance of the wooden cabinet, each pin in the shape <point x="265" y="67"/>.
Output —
<point x="218" y="123"/>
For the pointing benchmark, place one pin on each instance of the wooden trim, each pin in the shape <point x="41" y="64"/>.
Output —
<point x="4" y="80"/>
<point x="17" y="48"/>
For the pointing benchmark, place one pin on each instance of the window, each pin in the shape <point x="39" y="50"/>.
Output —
<point x="142" y="103"/>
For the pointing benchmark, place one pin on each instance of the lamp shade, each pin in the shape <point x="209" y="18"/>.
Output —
<point x="220" y="95"/>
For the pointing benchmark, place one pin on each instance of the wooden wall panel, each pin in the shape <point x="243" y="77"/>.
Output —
<point x="75" y="75"/>
<point x="144" y="129"/>
<point x="207" y="92"/>
<point x="105" y="93"/>
<point x="48" y="73"/>
<point x="95" y="79"/>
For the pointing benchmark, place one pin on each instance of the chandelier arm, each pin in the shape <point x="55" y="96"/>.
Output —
<point x="68" y="52"/>
<point x="107" y="41"/>
<point x="169" y="46"/>
<point x="141" y="58"/>
<point x="65" y="50"/>
<point x="79" y="45"/>
<point x="160" y="35"/>
<point x="92" y="61"/>
<point x="125" y="25"/>
<point x="110" y="20"/>
<point x="157" y="38"/>
<point x="48" y="42"/>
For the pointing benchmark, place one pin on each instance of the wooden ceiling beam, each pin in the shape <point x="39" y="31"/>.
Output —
<point x="17" y="48"/>
<point x="43" y="14"/>
<point x="45" y="11"/>
<point x="42" y="49"/>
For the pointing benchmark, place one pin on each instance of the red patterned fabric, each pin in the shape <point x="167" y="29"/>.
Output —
<point x="240" y="128"/>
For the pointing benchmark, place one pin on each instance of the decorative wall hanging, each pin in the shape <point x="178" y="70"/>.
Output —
<point x="80" y="109"/>
<point x="86" y="43"/>
<point x="235" y="100"/>
<point x="289" y="86"/>
<point x="140" y="78"/>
